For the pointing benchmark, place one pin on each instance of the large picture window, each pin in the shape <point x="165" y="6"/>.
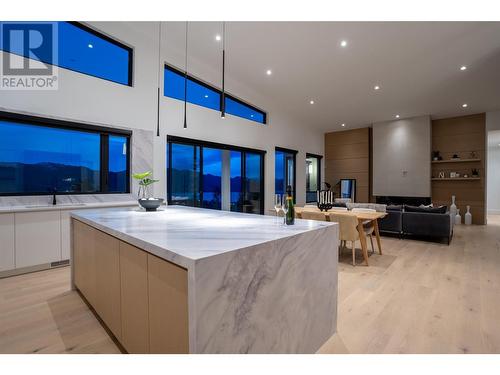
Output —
<point x="80" y="49"/>
<point x="216" y="176"/>
<point x="40" y="156"/>
<point x="202" y="94"/>
<point x="284" y="172"/>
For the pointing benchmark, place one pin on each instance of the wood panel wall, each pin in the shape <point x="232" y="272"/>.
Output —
<point x="347" y="155"/>
<point x="461" y="136"/>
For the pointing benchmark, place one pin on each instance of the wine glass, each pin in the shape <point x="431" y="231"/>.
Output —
<point x="277" y="205"/>
<point x="285" y="206"/>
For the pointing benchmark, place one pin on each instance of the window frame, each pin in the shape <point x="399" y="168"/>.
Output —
<point x="195" y="142"/>
<point x="110" y="39"/>
<point x="105" y="37"/>
<point x="294" y="153"/>
<point x="318" y="157"/>
<point x="219" y="91"/>
<point x="104" y="133"/>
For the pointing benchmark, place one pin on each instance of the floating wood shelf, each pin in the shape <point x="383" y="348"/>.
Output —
<point x="457" y="179"/>
<point x="455" y="161"/>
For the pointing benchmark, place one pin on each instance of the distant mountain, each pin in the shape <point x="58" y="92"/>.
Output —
<point x="43" y="177"/>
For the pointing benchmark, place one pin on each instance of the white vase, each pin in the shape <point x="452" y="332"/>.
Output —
<point x="468" y="217"/>
<point x="458" y="218"/>
<point x="453" y="207"/>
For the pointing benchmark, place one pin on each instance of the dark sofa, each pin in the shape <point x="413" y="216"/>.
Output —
<point x="418" y="221"/>
<point x="393" y="222"/>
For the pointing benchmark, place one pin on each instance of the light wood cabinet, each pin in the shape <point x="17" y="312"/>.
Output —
<point x="107" y="273"/>
<point x="168" y="307"/>
<point x="141" y="298"/>
<point x="84" y="259"/>
<point x="37" y="238"/>
<point x="134" y="298"/>
<point x="7" y="242"/>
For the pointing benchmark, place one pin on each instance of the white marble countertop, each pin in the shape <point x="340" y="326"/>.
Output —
<point x="65" y="206"/>
<point x="184" y="235"/>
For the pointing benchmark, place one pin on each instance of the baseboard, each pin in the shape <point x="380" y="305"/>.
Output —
<point x="493" y="211"/>
<point x="37" y="268"/>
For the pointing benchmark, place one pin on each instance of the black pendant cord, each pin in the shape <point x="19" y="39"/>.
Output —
<point x="223" y="97"/>
<point x="185" y="79"/>
<point x="159" y="75"/>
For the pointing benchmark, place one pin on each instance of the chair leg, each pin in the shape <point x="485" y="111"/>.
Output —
<point x="353" y="253"/>
<point x="371" y="240"/>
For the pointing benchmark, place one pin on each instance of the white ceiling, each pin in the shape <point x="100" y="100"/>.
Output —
<point x="416" y="64"/>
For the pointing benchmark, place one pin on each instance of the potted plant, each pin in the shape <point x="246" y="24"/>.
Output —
<point x="145" y="198"/>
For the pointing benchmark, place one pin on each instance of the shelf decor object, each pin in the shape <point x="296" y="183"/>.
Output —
<point x="458" y="218"/>
<point x="453" y="207"/>
<point x="468" y="217"/>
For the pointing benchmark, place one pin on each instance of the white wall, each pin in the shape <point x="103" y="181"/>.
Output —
<point x="493" y="172"/>
<point x="88" y="99"/>
<point x="401" y="157"/>
<point x="492" y="164"/>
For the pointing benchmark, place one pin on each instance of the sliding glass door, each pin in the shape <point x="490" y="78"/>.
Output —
<point x="184" y="174"/>
<point x="313" y="176"/>
<point x="211" y="192"/>
<point x="216" y="176"/>
<point x="284" y="170"/>
<point x="254" y="183"/>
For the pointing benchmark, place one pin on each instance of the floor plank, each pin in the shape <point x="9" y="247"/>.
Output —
<point x="419" y="297"/>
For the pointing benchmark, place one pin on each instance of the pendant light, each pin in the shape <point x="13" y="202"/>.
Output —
<point x="185" y="78"/>
<point x="159" y="77"/>
<point x="223" y="97"/>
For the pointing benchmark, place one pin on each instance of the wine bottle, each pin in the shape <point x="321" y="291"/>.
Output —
<point x="290" y="215"/>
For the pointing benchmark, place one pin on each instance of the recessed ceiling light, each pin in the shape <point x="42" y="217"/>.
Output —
<point x="343" y="43"/>
<point x="218" y="38"/>
<point x="311" y="102"/>
<point x="206" y="96"/>
<point x="463" y="67"/>
<point x="397" y="116"/>
<point x="343" y="125"/>
<point x="90" y="45"/>
<point x="269" y="72"/>
<point x="464" y="105"/>
<point x="376" y="87"/>
<point x="251" y="115"/>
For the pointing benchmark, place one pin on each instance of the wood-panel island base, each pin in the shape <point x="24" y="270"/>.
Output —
<point x="141" y="298"/>
<point x="192" y="280"/>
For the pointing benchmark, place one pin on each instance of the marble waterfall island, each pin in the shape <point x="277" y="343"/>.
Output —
<point x="190" y="280"/>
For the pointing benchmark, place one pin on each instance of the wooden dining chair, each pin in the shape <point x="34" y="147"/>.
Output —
<point x="367" y="225"/>
<point x="348" y="224"/>
<point x="313" y="215"/>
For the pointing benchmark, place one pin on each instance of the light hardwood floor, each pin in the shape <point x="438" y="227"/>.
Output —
<point x="418" y="297"/>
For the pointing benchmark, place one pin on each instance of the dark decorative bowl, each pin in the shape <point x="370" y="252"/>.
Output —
<point x="150" y="204"/>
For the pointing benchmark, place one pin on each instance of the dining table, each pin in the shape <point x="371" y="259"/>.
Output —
<point x="364" y="217"/>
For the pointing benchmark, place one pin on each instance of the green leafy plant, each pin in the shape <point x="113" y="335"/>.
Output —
<point x="145" y="180"/>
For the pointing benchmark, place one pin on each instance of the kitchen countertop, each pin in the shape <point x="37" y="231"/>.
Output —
<point x="184" y="235"/>
<point x="65" y="206"/>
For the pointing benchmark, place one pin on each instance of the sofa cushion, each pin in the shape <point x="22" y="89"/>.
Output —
<point x="394" y="207"/>
<point x="432" y="210"/>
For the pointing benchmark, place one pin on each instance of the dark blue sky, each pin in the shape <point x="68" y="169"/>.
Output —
<point x="81" y="51"/>
<point x="32" y="144"/>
